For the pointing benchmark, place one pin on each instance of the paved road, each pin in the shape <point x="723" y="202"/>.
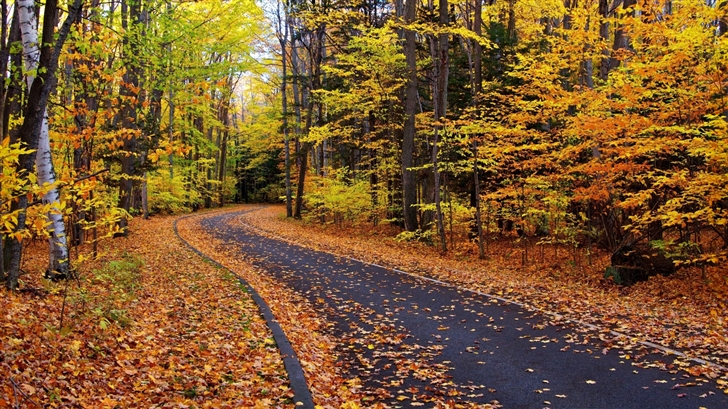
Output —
<point x="411" y="340"/>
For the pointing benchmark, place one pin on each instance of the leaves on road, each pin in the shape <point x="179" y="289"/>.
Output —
<point x="679" y="311"/>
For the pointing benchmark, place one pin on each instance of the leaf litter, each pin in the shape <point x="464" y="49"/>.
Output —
<point x="147" y="324"/>
<point x="188" y="336"/>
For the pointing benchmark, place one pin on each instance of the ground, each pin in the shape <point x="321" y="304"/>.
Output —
<point x="148" y="324"/>
<point x="151" y="324"/>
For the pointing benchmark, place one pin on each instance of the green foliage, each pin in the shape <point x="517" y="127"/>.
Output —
<point x="120" y="281"/>
<point x="427" y="236"/>
<point x="170" y="196"/>
<point x="337" y="200"/>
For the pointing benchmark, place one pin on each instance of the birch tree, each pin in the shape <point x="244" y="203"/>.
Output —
<point x="58" y="262"/>
<point x="30" y="130"/>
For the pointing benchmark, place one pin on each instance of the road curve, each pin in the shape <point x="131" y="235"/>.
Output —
<point x="414" y="342"/>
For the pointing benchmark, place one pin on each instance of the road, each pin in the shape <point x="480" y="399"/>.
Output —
<point x="412" y="341"/>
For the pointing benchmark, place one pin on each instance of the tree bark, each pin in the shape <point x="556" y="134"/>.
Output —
<point x="297" y="98"/>
<point x="35" y="111"/>
<point x="11" y="106"/>
<point x="621" y="40"/>
<point x="225" y="120"/>
<point x="130" y="13"/>
<point x="441" y="61"/>
<point x="477" y="48"/>
<point x="58" y="254"/>
<point x="409" y="187"/>
<point x="604" y="34"/>
<point x="478" y="82"/>
<point x="315" y="58"/>
<point x="283" y="30"/>
<point x="301" y="179"/>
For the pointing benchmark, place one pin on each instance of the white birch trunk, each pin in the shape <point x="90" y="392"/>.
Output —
<point x="58" y="261"/>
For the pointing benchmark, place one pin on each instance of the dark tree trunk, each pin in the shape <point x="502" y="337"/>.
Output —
<point x="130" y="11"/>
<point x="11" y="103"/>
<point x="283" y="30"/>
<point x="621" y="40"/>
<point x="301" y="179"/>
<point x="442" y="65"/>
<point x="11" y="106"/>
<point x="316" y="51"/>
<point x="409" y="186"/>
<point x="478" y="82"/>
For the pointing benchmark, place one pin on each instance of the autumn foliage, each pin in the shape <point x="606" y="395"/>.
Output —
<point x="572" y="147"/>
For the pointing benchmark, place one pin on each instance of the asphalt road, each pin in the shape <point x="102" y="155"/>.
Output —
<point x="413" y="341"/>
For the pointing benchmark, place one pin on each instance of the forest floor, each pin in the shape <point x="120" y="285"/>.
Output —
<point x="147" y="324"/>
<point x="151" y="324"/>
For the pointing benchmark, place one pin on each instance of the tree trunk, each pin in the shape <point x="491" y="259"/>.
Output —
<point x="604" y="34"/>
<point x="621" y="41"/>
<point x="297" y="98"/>
<point x="478" y="81"/>
<point x="225" y="120"/>
<point x="35" y="111"/>
<point x="478" y="49"/>
<point x="409" y="186"/>
<point x="301" y="179"/>
<point x="441" y="62"/>
<point x="283" y="40"/>
<point x="130" y="12"/>
<point x="12" y="107"/>
<point x="58" y="255"/>
<point x="316" y="55"/>
<point x="4" y="61"/>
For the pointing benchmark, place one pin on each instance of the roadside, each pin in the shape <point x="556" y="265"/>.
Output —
<point x="149" y="324"/>
<point x="307" y="331"/>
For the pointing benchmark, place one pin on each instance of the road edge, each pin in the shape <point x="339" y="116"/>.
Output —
<point x="301" y="392"/>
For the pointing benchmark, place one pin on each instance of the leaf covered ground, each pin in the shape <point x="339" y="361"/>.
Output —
<point x="305" y="329"/>
<point x="148" y="324"/>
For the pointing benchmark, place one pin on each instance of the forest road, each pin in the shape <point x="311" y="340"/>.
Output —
<point x="413" y="342"/>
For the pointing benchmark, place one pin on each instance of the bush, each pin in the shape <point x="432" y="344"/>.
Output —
<point x="170" y="196"/>
<point x="336" y="200"/>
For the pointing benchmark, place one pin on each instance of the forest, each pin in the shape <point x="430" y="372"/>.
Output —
<point x="586" y="126"/>
<point x="570" y="155"/>
<point x="581" y="125"/>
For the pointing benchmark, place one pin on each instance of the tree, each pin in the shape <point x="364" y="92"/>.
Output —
<point x="409" y="186"/>
<point x="282" y="33"/>
<point x="30" y="131"/>
<point x="58" y="261"/>
<point x="315" y="49"/>
<point x="441" y="60"/>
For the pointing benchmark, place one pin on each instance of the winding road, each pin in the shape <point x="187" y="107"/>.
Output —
<point x="412" y="341"/>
